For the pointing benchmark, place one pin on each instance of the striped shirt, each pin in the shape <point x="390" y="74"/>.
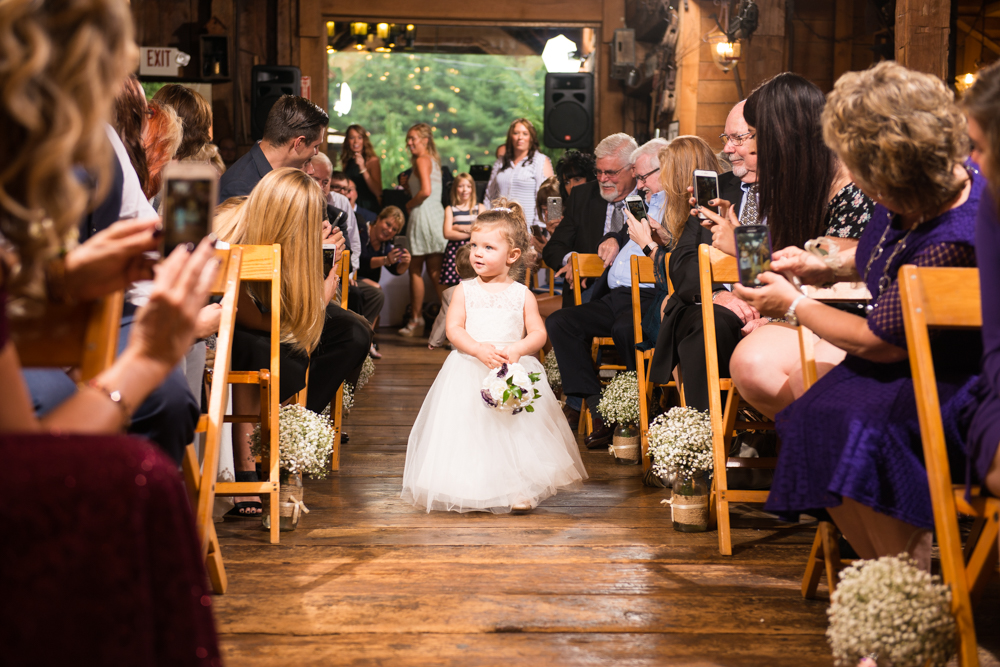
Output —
<point x="520" y="182"/>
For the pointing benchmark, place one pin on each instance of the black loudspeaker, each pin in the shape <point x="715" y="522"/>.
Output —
<point x="268" y="83"/>
<point x="569" y="110"/>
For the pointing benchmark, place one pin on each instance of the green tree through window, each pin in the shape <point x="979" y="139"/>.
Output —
<point x="469" y="99"/>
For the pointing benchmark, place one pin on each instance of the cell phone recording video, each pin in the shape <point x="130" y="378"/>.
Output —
<point x="706" y="188"/>
<point x="540" y="233"/>
<point x="401" y="242"/>
<point x="636" y="206"/>
<point x="190" y="195"/>
<point x="553" y="208"/>
<point x="753" y="253"/>
<point x="329" y="252"/>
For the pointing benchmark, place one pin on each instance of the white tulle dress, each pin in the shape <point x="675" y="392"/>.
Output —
<point x="463" y="456"/>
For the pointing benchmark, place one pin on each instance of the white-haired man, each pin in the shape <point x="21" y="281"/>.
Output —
<point x="608" y="313"/>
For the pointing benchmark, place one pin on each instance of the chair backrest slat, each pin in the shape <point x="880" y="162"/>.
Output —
<point x="584" y="266"/>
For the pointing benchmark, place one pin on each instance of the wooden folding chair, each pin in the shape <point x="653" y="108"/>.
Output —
<point x="824" y="557"/>
<point x="949" y="298"/>
<point x="643" y="272"/>
<point x="201" y="482"/>
<point x="337" y="407"/>
<point x="714" y="267"/>
<point x="590" y="266"/>
<point x="550" y="275"/>
<point x="82" y="336"/>
<point x="260" y="264"/>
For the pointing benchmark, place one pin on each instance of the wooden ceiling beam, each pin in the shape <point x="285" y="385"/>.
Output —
<point x="987" y="42"/>
<point x="993" y="9"/>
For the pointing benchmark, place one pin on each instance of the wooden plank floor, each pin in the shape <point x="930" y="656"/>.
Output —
<point x="589" y="578"/>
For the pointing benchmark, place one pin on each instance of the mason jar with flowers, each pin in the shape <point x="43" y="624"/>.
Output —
<point x="619" y="405"/>
<point x="680" y="446"/>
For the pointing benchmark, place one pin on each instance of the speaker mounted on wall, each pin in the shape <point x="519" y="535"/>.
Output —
<point x="569" y="110"/>
<point x="268" y="83"/>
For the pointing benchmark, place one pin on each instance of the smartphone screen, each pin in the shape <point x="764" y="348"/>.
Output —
<point x="329" y="251"/>
<point x="402" y="243"/>
<point x="539" y="232"/>
<point x="553" y="208"/>
<point x="636" y="206"/>
<point x="706" y="188"/>
<point x="187" y="211"/>
<point x="753" y="253"/>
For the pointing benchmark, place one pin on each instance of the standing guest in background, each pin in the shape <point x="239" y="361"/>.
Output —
<point x="363" y="167"/>
<point x="521" y="170"/>
<point x="363" y="215"/>
<point x="574" y="168"/>
<point x="334" y="187"/>
<point x="292" y="135"/>
<point x="129" y="116"/>
<point x="161" y="139"/>
<point x="425" y="231"/>
<point x="458" y="219"/>
<point x="196" y="114"/>
<point x="227" y="151"/>
<point x="982" y="105"/>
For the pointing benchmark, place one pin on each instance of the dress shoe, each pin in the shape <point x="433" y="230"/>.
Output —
<point x="600" y="436"/>
<point x="344" y="438"/>
<point x="572" y="416"/>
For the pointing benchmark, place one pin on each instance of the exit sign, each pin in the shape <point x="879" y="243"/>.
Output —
<point x="158" y="61"/>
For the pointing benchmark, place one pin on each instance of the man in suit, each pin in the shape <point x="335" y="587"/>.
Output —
<point x="292" y="135"/>
<point x="681" y="340"/>
<point x="608" y="313"/>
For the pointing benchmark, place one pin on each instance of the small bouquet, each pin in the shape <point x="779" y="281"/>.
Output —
<point x="510" y="388"/>
<point x="891" y="608"/>
<point x="681" y="440"/>
<point x="305" y="441"/>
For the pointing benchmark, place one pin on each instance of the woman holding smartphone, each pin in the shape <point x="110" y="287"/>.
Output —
<point x="851" y="444"/>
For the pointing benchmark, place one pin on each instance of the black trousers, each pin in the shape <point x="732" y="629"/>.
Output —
<point x="683" y="344"/>
<point x="572" y="331"/>
<point x="342" y="348"/>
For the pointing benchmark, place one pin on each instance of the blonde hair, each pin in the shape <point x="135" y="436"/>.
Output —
<point x="678" y="160"/>
<point x="64" y="62"/>
<point x="392" y="213"/>
<point x="454" y="190"/>
<point x="227" y="216"/>
<point x="900" y="134"/>
<point x="287" y="207"/>
<point x="161" y="138"/>
<point x="425" y="131"/>
<point x="507" y="216"/>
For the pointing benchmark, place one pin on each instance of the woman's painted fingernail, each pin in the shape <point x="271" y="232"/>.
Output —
<point x="158" y="231"/>
<point x="189" y="246"/>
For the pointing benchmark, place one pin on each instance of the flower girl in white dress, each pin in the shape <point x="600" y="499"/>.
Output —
<point x="463" y="455"/>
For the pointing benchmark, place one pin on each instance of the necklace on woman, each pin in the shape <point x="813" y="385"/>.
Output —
<point x="885" y="280"/>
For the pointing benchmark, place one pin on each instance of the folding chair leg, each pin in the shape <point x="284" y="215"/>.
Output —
<point x="721" y="446"/>
<point x="216" y="568"/>
<point x="981" y="562"/>
<point x="270" y="461"/>
<point x="581" y="427"/>
<point x="831" y="553"/>
<point x="814" y="571"/>
<point x="338" y="422"/>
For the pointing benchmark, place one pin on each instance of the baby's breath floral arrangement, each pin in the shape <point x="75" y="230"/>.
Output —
<point x="681" y="440"/>
<point x="305" y="441"/>
<point x="367" y="371"/>
<point x="552" y="373"/>
<point x="619" y="402"/>
<point x="891" y="608"/>
<point x="348" y="397"/>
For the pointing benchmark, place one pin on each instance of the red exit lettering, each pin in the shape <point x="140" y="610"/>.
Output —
<point x="158" y="58"/>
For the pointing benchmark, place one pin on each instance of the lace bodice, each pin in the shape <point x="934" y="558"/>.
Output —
<point x="494" y="318"/>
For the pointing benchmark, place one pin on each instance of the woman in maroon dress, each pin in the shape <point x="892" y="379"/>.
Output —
<point x="101" y="563"/>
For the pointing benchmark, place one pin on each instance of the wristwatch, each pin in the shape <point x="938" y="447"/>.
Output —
<point x="790" y="315"/>
<point x="649" y="250"/>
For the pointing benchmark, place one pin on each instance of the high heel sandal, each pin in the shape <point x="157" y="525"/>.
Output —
<point x="410" y="329"/>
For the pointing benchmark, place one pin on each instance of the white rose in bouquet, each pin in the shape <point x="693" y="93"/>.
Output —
<point x="510" y="388"/>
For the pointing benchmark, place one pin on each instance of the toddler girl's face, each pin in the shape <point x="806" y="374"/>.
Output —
<point x="491" y="253"/>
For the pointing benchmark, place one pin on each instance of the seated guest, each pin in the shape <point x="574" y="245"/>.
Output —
<point x="607" y="314"/>
<point x="574" y="168"/>
<point x="161" y="139"/>
<point x="287" y="208"/>
<point x="98" y="527"/>
<point x="593" y="217"/>
<point x="195" y="113"/>
<point x="377" y="250"/>
<point x="821" y="201"/>
<point x="982" y="105"/>
<point x="680" y="336"/>
<point x="364" y="215"/>
<point x="129" y="120"/>
<point x="336" y="185"/>
<point x="851" y="444"/>
<point x="292" y="134"/>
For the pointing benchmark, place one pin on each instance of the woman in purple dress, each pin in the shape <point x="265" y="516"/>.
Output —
<point x="982" y="104"/>
<point x="851" y="444"/>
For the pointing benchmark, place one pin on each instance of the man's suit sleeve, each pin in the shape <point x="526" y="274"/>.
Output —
<point x="683" y="267"/>
<point x="563" y="239"/>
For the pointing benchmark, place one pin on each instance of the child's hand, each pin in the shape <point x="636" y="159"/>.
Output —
<point x="512" y="356"/>
<point x="490" y="356"/>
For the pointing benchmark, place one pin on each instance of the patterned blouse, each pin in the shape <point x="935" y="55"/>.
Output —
<point x="848" y="213"/>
